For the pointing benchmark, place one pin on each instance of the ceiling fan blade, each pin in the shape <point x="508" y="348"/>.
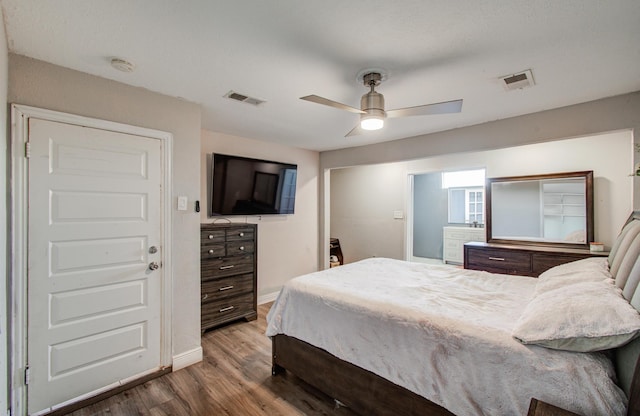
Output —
<point x="446" y="107"/>
<point x="354" y="131"/>
<point x="325" y="101"/>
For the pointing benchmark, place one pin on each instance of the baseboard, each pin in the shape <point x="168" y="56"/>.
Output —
<point x="187" y="358"/>
<point x="269" y="297"/>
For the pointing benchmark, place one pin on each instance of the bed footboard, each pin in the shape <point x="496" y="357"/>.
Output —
<point x="359" y="389"/>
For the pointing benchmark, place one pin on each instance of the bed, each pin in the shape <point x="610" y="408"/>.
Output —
<point x="384" y="336"/>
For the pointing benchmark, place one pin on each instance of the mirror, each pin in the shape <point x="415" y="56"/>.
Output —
<point x="551" y="210"/>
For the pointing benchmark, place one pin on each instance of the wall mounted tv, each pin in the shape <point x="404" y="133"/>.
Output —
<point x="244" y="186"/>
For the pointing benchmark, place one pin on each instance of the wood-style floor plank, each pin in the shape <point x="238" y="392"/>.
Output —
<point x="233" y="379"/>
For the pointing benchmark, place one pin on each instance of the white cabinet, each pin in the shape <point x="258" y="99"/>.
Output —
<point x="454" y="239"/>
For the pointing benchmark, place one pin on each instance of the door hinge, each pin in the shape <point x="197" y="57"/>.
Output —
<point x="27" y="374"/>
<point x="27" y="150"/>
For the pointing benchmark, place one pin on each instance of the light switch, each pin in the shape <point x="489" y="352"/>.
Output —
<point x="182" y="203"/>
<point x="398" y="215"/>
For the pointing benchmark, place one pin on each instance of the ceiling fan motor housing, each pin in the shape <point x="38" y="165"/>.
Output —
<point x="373" y="104"/>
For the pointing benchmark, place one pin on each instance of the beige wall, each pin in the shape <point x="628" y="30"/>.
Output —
<point x="4" y="346"/>
<point x="40" y="84"/>
<point x="287" y="244"/>
<point x="592" y="118"/>
<point x="363" y="198"/>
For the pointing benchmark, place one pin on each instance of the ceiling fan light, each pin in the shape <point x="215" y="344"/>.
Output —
<point x="372" y="123"/>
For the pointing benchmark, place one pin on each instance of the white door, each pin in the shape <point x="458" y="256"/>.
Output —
<point x="94" y="304"/>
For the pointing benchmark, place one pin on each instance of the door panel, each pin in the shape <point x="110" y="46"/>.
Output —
<point x="81" y="354"/>
<point x="94" y="306"/>
<point x="97" y="207"/>
<point x="81" y="304"/>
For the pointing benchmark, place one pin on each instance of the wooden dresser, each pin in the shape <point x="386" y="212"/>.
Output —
<point x="525" y="260"/>
<point x="228" y="275"/>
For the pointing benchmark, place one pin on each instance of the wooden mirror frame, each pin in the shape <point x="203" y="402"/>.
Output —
<point x="589" y="218"/>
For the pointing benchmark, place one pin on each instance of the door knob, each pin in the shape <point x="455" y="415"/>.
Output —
<point x="153" y="266"/>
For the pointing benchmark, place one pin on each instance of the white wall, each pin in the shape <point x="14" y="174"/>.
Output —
<point x="40" y="84"/>
<point x="595" y="117"/>
<point x="4" y="346"/>
<point x="287" y="244"/>
<point x="363" y="198"/>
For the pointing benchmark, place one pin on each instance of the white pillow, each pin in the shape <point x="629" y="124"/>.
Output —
<point x="586" y="316"/>
<point x="589" y="264"/>
<point x="547" y="283"/>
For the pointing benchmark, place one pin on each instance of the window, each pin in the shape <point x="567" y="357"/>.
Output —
<point x="475" y="206"/>
<point x="466" y="196"/>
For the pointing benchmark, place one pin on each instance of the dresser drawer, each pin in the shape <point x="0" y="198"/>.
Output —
<point x="506" y="260"/>
<point x="236" y="248"/>
<point x="240" y="234"/>
<point x="224" y="310"/>
<point x="456" y="234"/>
<point x="213" y="290"/>
<point x="542" y="262"/>
<point x="211" y="251"/>
<point x="228" y="266"/>
<point x="214" y="250"/>
<point x="208" y="237"/>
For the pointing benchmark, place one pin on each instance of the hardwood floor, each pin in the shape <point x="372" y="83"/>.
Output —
<point x="233" y="379"/>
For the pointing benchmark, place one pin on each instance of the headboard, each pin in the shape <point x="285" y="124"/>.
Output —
<point x="624" y="264"/>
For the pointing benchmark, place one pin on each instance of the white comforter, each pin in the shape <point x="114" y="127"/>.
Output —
<point x="443" y="333"/>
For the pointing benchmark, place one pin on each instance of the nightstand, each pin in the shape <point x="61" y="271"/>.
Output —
<point x="540" y="408"/>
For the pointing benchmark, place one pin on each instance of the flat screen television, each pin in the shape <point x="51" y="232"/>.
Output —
<point x="245" y="186"/>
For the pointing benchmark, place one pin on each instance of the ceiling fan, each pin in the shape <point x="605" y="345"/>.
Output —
<point x="372" y="112"/>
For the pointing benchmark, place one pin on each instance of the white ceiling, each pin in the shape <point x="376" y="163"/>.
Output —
<point x="280" y="50"/>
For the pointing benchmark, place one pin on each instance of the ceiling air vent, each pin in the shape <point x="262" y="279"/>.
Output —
<point x="518" y="81"/>
<point x="243" y="98"/>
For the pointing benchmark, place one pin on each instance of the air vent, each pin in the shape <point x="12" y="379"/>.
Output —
<point x="518" y="81"/>
<point x="243" y="98"/>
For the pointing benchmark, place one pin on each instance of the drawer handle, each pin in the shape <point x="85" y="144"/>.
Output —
<point x="225" y="288"/>
<point x="210" y="236"/>
<point x="241" y="234"/>
<point x="228" y="308"/>
<point x="496" y="258"/>
<point x="206" y="295"/>
<point x="211" y="251"/>
<point x="241" y="248"/>
<point x="231" y="266"/>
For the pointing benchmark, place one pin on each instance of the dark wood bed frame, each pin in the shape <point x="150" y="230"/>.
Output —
<point x="369" y="394"/>
<point x="360" y="390"/>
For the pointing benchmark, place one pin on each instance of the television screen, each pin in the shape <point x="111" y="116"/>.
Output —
<point x="244" y="186"/>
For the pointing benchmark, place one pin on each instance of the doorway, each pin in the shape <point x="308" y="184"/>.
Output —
<point x="90" y="255"/>
<point x="441" y="200"/>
